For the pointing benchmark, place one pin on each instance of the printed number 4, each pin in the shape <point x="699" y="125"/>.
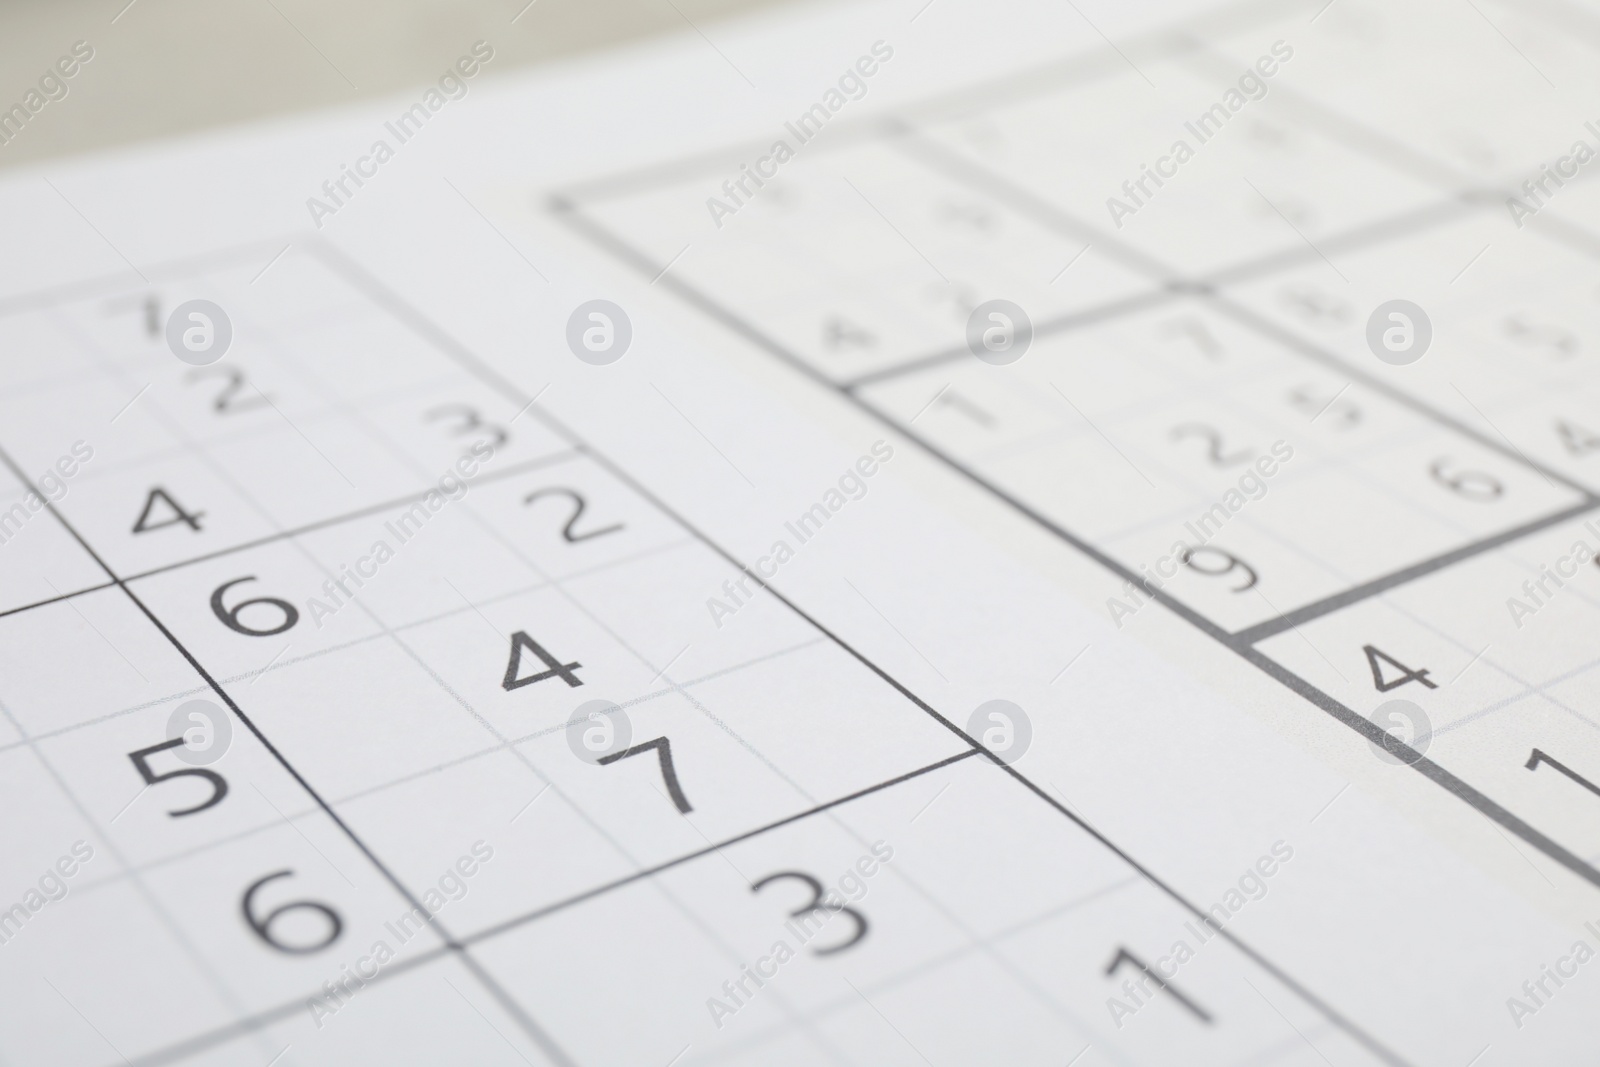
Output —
<point x="1376" y="658"/>
<point x="554" y="668"/>
<point x="144" y="525"/>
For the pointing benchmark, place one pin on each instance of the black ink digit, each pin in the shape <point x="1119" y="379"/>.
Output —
<point x="219" y="784"/>
<point x="1538" y="757"/>
<point x="1578" y="440"/>
<point x="224" y="403"/>
<point x="554" y="668"/>
<point x="230" y="616"/>
<point x="1214" y="438"/>
<point x="1376" y="658"/>
<point x="1230" y="563"/>
<point x="663" y="748"/>
<point x="263" y="925"/>
<point x="470" y="420"/>
<point x="1474" y="485"/>
<point x="1124" y="956"/>
<point x="143" y="524"/>
<point x="569" y="532"/>
<point x="817" y="904"/>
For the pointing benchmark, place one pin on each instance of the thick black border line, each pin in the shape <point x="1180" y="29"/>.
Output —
<point x="402" y="310"/>
<point x="1368" y="729"/>
<point x="458" y="946"/>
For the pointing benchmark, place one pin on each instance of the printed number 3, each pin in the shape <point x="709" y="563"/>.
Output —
<point x="817" y="905"/>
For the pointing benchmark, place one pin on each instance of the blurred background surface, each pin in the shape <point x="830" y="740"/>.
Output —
<point x="165" y="67"/>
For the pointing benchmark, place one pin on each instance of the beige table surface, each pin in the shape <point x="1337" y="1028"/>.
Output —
<point x="164" y="67"/>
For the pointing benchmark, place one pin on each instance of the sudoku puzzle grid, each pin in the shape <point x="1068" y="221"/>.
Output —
<point x="1223" y="323"/>
<point x="399" y="771"/>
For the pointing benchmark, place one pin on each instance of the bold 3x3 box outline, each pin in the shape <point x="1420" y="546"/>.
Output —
<point x="899" y="130"/>
<point x="371" y="290"/>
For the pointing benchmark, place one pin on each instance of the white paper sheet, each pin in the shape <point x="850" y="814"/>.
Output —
<point x="760" y="667"/>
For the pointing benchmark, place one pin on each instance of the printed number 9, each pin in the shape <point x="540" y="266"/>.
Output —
<point x="1229" y="561"/>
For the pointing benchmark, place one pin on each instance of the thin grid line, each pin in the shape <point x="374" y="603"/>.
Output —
<point x="534" y="1031"/>
<point x="423" y="772"/>
<point x="568" y="212"/>
<point x="198" y="1042"/>
<point x="468" y="359"/>
<point x="950" y="726"/>
<point x="383" y="440"/>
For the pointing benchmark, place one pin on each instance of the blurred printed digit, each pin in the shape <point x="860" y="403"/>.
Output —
<point x="288" y="615"/>
<point x="570" y="532"/>
<point x="1474" y="485"/>
<point x="161" y="511"/>
<point x="1220" y="563"/>
<point x="1213" y="437"/>
<point x="228" y="402"/>
<point x="469" y="419"/>
<point x="817" y="905"/>
<point x="262" y="925"/>
<point x="1578" y="440"/>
